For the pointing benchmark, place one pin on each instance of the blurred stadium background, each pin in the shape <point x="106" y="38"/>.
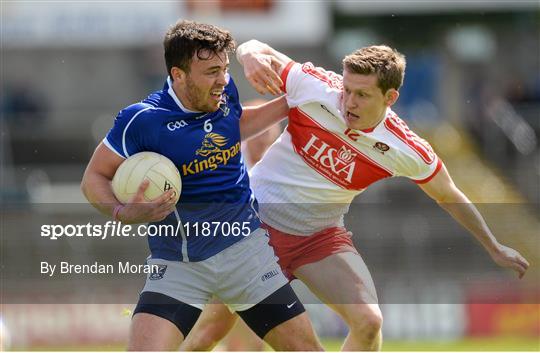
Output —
<point x="472" y="88"/>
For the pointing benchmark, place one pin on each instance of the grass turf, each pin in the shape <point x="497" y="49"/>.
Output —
<point x="469" y="344"/>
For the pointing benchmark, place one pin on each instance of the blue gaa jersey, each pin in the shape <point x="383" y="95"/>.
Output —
<point x="216" y="207"/>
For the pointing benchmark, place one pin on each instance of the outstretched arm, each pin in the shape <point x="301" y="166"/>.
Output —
<point x="262" y="66"/>
<point x="443" y="190"/>
<point x="257" y="119"/>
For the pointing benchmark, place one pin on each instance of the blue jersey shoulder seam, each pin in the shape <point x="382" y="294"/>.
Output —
<point x="149" y="107"/>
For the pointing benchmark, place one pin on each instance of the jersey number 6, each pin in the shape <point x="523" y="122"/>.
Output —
<point x="207" y="126"/>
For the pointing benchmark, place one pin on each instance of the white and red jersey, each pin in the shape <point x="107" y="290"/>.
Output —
<point x="309" y="176"/>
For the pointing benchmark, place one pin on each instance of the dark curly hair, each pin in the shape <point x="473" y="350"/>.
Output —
<point x="187" y="38"/>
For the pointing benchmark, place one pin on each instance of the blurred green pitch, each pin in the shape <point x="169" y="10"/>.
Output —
<point x="470" y="344"/>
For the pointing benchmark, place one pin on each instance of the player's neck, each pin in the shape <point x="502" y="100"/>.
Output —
<point x="378" y="121"/>
<point x="183" y="99"/>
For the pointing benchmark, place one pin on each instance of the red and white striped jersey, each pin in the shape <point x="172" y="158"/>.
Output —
<point x="309" y="176"/>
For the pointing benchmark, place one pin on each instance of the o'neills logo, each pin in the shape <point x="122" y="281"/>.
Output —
<point x="212" y="148"/>
<point x="340" y="162"/>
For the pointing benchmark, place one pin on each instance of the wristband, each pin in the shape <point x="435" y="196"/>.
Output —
<point x="116" y="211"/>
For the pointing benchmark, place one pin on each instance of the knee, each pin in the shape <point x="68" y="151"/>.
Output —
<point x="365" y="320"/>
<point x="296" y="334"/>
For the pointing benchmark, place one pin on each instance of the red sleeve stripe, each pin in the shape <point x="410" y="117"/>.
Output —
<point x="423" y="181"/>
<point x="401" y="131"/>
<point x="332" y="79"/>
<point x="285" y="74"/>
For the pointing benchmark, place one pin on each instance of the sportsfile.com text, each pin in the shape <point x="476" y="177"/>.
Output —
<point x="118" y="229"/>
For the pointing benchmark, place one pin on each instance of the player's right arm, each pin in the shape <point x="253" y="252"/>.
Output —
<point x="255" y="120"/>
<point x="96" y="187"/>
<point x="267" y="69"/>
<point x="263" y="66"/>
<point x="443" y="190"/>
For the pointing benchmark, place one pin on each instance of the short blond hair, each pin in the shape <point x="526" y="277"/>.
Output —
<point x="387" y="63"/>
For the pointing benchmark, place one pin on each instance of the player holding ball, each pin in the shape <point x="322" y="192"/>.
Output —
<point x="197" y="122"/>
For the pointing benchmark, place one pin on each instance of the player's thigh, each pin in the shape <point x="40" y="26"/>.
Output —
<point x="215" y="322"/>
<point x="172" y="299"/>
<point x="295" y="334"/>
<point x="351" y="281"/>
<point x="187" y="282"/>
<point x="257" y="289"/>
<point x="249" y="272"/>
<point x="281" y="320"/>
<point x="160" y="322"/>
<point x="242" y="338"/>
<point x="149" y="332"/>
<point x="216" y="318"/>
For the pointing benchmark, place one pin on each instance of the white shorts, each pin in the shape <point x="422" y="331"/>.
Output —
<point x="241" y="276"/>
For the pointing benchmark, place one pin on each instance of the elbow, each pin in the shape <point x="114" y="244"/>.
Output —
<point x="253" y="45"/>
<point x="442" y="203"/>
<point x="442" y="199"/>
<point x="445" y="199"/>
<point x="450" y="199"/>
<point x="255" y="42"/>
<point x="84" y="186"/>
<point x="247" y="128"/>
<point x="243" y="133"/>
